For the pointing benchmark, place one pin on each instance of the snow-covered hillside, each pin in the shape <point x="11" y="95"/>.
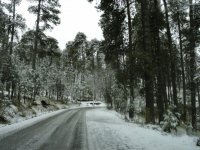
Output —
<point x="21" y="124"/>
<point x="13" y="114"/>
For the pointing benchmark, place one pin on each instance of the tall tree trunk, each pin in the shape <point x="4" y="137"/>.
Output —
<point x="13" y="26"/>
<point x="131" y="60"/>
<point x="36" y="46"/>
<point x="148" y="73"/>
<point x="172" y="56"/>
<point x="36" y="35"/>
<point x="19" y="94"/>
<point x="192" y="66"/>
<point x="160" y="84"/>
<point x="12" y="32"/>
<point x="198" y="93"/>
<point x="182" y="66"/>
<point x="166" y="100"/>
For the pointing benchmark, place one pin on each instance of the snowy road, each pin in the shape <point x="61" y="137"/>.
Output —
<point x="91" y="129"/>
<point x="65" y="131"/>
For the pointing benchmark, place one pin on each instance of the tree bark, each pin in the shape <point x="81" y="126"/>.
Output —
<point x="13" y="26"/>
<point x="148" y="74"/>
<point x="131" y="60"/>
<point x="160" y="84"/>
<point x="172" y="54"/>
<point x="36" y="35"/>
<point x="36" y="46"/>
<point x="182" y="67"/>
<point x="192" y="66"/>
<point x="198" y="94"/>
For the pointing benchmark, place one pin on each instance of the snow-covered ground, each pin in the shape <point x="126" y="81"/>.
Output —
<point x="9" y="129"/>
<point x="92" y="104"/>
<point x="108" y="132"/>
<point x="14" y="114"/>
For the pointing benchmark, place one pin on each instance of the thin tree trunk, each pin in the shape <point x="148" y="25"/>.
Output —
<point x="36" y="46"/>
<point x="172" y="54"/>
<point x="166" y="101"/>
<point x="13" y="26"/>
<point x="198" y="93"/>
<point x="131" y="60"/>
<point x="11" y="42"/>
<point x="19" y="93"/>
<point x="148" y="74"/>
<point x="36" y="35"/>
<point x="182" y="67"/>
<point x="192" y="66"/>
<point x="160" y="92"/>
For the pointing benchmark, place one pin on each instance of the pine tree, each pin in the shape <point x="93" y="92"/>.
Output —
<point x="46" y="12"/>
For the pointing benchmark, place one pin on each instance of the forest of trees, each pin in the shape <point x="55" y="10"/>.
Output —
<point x="149" y="53"/>
<point x="152" y="46"/>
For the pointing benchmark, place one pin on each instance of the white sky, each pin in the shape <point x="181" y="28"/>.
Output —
<point x="76" y="16"/>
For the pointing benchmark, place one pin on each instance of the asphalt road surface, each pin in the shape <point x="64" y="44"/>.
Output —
<point x="65" y="131"/>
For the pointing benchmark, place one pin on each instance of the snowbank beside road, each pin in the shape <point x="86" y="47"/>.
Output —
<point x="92" y="104"/>
<point x="25" y="123"/>
<point x="107" y="131"/>
<point x="13" y="114"/>
<point x="4" y="131"/>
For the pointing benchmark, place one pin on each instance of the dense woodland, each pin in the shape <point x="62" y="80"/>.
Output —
<point x="147" y="65"/>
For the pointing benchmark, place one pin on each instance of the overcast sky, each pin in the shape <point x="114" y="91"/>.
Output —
<point x="76" y="16"/>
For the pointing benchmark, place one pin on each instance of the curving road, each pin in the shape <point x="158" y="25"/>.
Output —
<point x="64" y="131"/>
<point x="90" y="129"/>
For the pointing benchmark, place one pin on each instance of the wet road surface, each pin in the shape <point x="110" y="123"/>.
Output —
<point x="64" y="131"/>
